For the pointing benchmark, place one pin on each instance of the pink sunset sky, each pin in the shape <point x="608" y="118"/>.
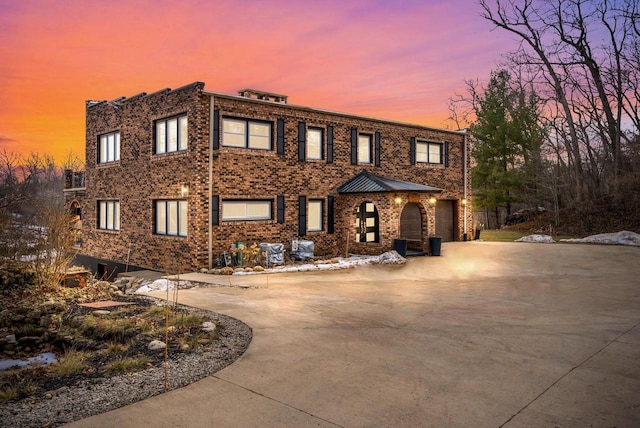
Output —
<point x="398" y="60"/>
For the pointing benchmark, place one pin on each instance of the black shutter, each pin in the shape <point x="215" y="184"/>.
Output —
<point x="302" y="215"/>
<point x="354" y="146"/>
<point x="412" y="151"/>
<point x="280" y="208"/>
<point x="280" y="136"/>
<point x="329" y="144"/>
<point x="377" y="148"/>
<point x="302" y="141"/>
<point x="330" y="214"/>
<point x="215" y="210"/>
<point x="216" y="129"/>
<point x="446" y="153"/>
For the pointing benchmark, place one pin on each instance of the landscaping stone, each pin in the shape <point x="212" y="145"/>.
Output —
<point x="100" y="312"/>
<point x="156" y="345"/>
<point x="208" y="326"/>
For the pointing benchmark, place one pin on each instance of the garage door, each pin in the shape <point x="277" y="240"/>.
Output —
<point x="445" y="220"/>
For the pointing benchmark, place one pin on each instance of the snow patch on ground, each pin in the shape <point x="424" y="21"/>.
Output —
<point x="390" y="257"/>
<point x="544" y="239"/>
<point x="162" y="284"/>
<point x="618" y="238"/>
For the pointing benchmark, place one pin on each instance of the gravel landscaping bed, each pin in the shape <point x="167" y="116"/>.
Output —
<point x="101" y="394"/>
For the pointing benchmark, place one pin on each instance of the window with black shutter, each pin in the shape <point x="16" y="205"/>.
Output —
<point x="280" y="136"/>
<point x="302" y="215"/>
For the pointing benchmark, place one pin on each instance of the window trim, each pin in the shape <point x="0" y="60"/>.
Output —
<point x="179" y="233"/>
<point x="181" y="146"/>
<point x="111" y="206"/>
<point x="246" y="202"/>
<point x="428" y="152"/>
<point x="370" y="138"/>
<point x="321" y="143"/>
<point x="115" y="149"/>
<point x="247" y="123"/>
<point x="322" y="215"/>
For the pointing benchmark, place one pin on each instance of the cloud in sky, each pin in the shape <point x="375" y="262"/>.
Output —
<point x="396" y="60"/>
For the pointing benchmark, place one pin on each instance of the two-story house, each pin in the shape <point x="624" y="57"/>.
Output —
<point x="175" y="177"/>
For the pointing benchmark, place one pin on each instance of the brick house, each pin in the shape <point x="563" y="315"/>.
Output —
<point x="175" y="177"/>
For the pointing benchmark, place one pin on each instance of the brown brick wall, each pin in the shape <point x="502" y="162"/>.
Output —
<point x="140" y="177"/>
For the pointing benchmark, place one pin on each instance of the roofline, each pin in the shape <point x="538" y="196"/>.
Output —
<point x="337" y="113"/>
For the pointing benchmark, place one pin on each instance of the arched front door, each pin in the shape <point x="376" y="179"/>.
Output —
<point x="411" y="224"/>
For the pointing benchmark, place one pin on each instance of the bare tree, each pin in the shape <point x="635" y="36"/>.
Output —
<point x="586" y="56"/>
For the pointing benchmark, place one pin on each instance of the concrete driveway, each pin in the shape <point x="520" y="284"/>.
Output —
<point x="488" y="335"/>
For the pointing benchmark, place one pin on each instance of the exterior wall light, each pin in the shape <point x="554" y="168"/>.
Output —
<point x="397" y="199"/>
<point x="464" y="202"/>
<point x="184" y="190"/>
<point x="432" y="200"/>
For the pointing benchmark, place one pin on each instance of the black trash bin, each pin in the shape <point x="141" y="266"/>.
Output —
<point x="435" y="243"/>
<point x="400" y="245"/>
<point x="478" y="234"/>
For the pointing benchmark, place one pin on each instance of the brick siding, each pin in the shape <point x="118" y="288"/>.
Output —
<point x="140" y="177"/>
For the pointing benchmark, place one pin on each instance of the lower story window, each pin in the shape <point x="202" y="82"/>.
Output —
<point x="109" y="215"/>
<point x="171" y="217"/>
<point x="247" y="210"/>
<point x="315" y="215"/>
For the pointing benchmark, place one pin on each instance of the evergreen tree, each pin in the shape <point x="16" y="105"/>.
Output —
<point x="507" y="139"/>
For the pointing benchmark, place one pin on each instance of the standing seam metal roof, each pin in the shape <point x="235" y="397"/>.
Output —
<point x="365" y="182"/>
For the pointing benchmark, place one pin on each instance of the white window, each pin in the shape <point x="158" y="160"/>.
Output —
<point x="428" y="152"/>
<point x="247" y="210"/>
<point x="314" y="143"/>
<point x="109" y="150"/>
<point x="364" y="148"/>
<point x="314" y="215"/>
<point x="246" y="134"/>
<point x="171" y="134"/>
<point x="171" y="217"/>
<point x="109" y="215"/>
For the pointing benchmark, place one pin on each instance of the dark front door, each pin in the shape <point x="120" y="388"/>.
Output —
<point x="368" y="229"/>
<point x="411" y="222"/>
<point x="444" y="220"/>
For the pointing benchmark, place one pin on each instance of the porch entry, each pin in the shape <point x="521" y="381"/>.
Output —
<point x="367" y="223"/>
<point x="411" y="226"/>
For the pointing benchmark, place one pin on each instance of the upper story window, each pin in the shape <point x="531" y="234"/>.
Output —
<point x="109" y="150"/>
<point x="247" y="210"/>
<point x="171" y="134"/>
<point x="246" y="133"/>
<point x="109" y="215"/>
<point x="428" y="152"/>
<point x="314" y="143"/>
<point x="364" y="148"/>
<point x="171" y="217"/>
<point x="315" y="215"/>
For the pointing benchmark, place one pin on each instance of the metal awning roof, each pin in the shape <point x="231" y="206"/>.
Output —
<point x="365" y="182"/>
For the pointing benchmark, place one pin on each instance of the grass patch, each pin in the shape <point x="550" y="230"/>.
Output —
<point x="72" y="362"/>
<point x="507" y="235"/>
<point x="183" y="320"/>
<point x="129" y="364"/>
<point x="116" y="348"/>
<point x="8" y="394"/>
<point x="499" y="235"/>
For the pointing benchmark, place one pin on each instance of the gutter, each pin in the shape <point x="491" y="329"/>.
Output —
<point x="464" y="177"/>
<point x="210" y="234"/>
